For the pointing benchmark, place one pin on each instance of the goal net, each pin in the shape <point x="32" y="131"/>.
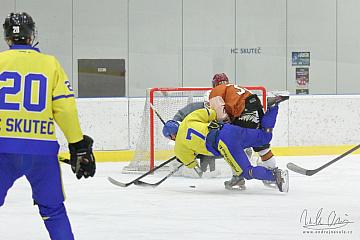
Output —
<point x="152" y="147"/>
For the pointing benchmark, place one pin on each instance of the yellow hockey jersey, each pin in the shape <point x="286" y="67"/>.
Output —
<point x="191" y="136"/>
<point x="34" y="93"/>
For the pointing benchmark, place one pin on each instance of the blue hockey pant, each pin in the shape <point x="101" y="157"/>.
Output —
<point x="43" y="174"/>
<point x="231" y="142"/>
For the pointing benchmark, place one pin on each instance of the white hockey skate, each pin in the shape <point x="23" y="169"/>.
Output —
<point x="282" y="179"/>
<point x="235" y="183"/>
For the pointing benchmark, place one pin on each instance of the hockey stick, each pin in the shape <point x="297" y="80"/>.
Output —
<point x="64" y="160"/>
<point x="145" y="184"/>
<point x="309" y="172"/>
<point x="156" y="112"/>
<point x="120" y="184"/>
<point x="137" y="181"/>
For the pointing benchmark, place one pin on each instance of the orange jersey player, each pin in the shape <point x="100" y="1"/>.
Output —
<point x="228" y="101"/>
<point x="235" y="104"/>
<point x="241" y="107"/>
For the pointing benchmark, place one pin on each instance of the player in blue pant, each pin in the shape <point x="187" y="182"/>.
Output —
<point x="35" y="93"/>
<point x="43" y="173"/>
<point x="199" y="133"/>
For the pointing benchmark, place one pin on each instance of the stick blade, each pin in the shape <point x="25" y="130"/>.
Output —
<point x="117" y="183"/>
<point x="145" y="184"/>
<point x="295" y="168"/>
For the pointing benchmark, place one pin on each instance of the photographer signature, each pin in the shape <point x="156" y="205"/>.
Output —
<point x="323" y="222"/>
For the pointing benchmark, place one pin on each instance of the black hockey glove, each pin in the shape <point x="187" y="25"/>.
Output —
<point x="82" y="159"/>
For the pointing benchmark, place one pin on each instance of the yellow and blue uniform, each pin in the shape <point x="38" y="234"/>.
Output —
<point x="34" y="94"/>
<point x="193" y="137"/>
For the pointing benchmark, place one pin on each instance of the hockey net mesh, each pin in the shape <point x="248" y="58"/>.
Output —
<point x="167" y="102"/>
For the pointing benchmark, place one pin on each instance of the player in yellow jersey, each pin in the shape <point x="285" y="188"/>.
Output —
<point x="199" y="133"/>
<point x="34" y="94"/>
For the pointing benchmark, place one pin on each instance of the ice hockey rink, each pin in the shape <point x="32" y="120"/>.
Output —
<point x="328" y="200"/>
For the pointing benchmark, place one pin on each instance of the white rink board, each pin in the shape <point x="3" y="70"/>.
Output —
<point x="114" y="123"/>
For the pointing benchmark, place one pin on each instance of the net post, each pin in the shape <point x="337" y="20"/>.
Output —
<point x="152" y="148"/>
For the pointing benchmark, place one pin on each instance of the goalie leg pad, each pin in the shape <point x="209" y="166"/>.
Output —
<point x="203" y="162"/>
<point x="206" y="161"/>
<point x="212" y="164"/>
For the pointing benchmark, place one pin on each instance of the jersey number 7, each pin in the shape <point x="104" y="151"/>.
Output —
<point x="194" y="132"/>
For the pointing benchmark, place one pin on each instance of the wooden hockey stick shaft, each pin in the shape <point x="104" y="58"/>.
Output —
<point x="310" y="172"/>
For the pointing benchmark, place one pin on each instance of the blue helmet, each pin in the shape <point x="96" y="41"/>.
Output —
<point x="171" y="127"/>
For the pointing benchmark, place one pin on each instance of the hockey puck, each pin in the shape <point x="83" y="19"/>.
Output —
<point x="192" y="186"/>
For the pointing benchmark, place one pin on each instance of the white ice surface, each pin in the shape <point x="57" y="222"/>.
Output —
<point x="100" y="210"/>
